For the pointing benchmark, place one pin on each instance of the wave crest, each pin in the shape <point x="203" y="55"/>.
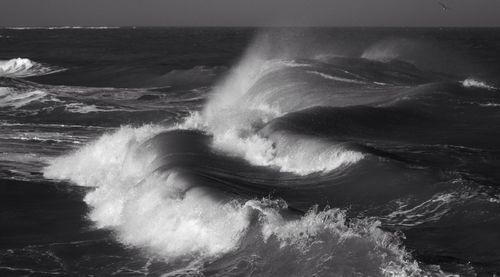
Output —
<point x="473" y="83"/>
<point x="22" y="67"/>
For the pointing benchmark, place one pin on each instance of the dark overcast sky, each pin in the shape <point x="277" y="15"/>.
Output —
<point x="248" y="13"/>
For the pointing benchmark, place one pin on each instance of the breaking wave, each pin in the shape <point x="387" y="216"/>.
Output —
<point x="473" y="83"/>
<point x="280" y="168"/>
<point x="167" y="213"/>
<point x="21" y="67"/>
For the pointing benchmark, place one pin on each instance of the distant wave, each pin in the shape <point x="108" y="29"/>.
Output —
<point x="490" y="105"/>
<point x="21" y="67"/>
<point x="33" y="100"/>
<point x="473" y="83"/>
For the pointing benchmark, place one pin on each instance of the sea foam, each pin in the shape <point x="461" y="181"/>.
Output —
<point x="22" y="67"/>
<point x="246" y="100"/>
<point x="473" y="83"/>
<point x="180" y="221"/>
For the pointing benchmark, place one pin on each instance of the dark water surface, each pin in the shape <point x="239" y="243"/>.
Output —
<point x="244" y="152"/>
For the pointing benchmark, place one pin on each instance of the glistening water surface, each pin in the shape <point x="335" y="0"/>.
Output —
<point x="243" y="152"/>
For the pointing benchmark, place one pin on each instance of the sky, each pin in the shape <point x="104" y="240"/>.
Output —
<point x="249" y="13"/>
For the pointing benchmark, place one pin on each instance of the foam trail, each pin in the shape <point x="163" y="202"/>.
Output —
<point x="91" y="108"/>
<point x="339" y="79"/>
<point x="11" y="98"/>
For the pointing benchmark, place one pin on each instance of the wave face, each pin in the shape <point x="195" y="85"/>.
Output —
<point x="21" y="67"/>
<point x="310" y="156"/>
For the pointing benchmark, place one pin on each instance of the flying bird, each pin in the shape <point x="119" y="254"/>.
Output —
<point x="444" y="7"/>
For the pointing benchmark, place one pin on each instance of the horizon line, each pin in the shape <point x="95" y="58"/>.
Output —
<point x="239" y="26"/>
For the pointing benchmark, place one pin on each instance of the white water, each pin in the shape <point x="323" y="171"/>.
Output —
<point x="173" y="218"/>
<point x="21" y="67"/>
<point x="241" y="104"/>
<point x="300" y="155"/>
<point x="473" y="83"/>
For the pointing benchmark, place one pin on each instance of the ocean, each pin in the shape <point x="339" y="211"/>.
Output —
<point x="249" y="152"/>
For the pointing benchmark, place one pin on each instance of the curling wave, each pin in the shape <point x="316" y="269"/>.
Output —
<point x="160" y="207"/>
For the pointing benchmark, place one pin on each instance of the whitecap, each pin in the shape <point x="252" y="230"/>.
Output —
<point x="22" y="67"/>
<point x="473" y="83"/>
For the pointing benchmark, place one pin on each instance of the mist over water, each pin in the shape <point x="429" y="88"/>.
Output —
<point x="314" y="153"/>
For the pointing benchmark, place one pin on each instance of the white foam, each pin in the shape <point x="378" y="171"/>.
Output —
<point x="428" y="211"/>
<point x="157" y="211"/>
<point x="21" y="67"/>
<point x="327" y="241"/>
<point x="473" y="83"/>
<point x="300" y="155"/>
<point x="176" y="219"/>
<point x="166" y="215"/>
<point x="105" y="158"/>
<point x="84" y="108"/>
<point x="238" y="108"/>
